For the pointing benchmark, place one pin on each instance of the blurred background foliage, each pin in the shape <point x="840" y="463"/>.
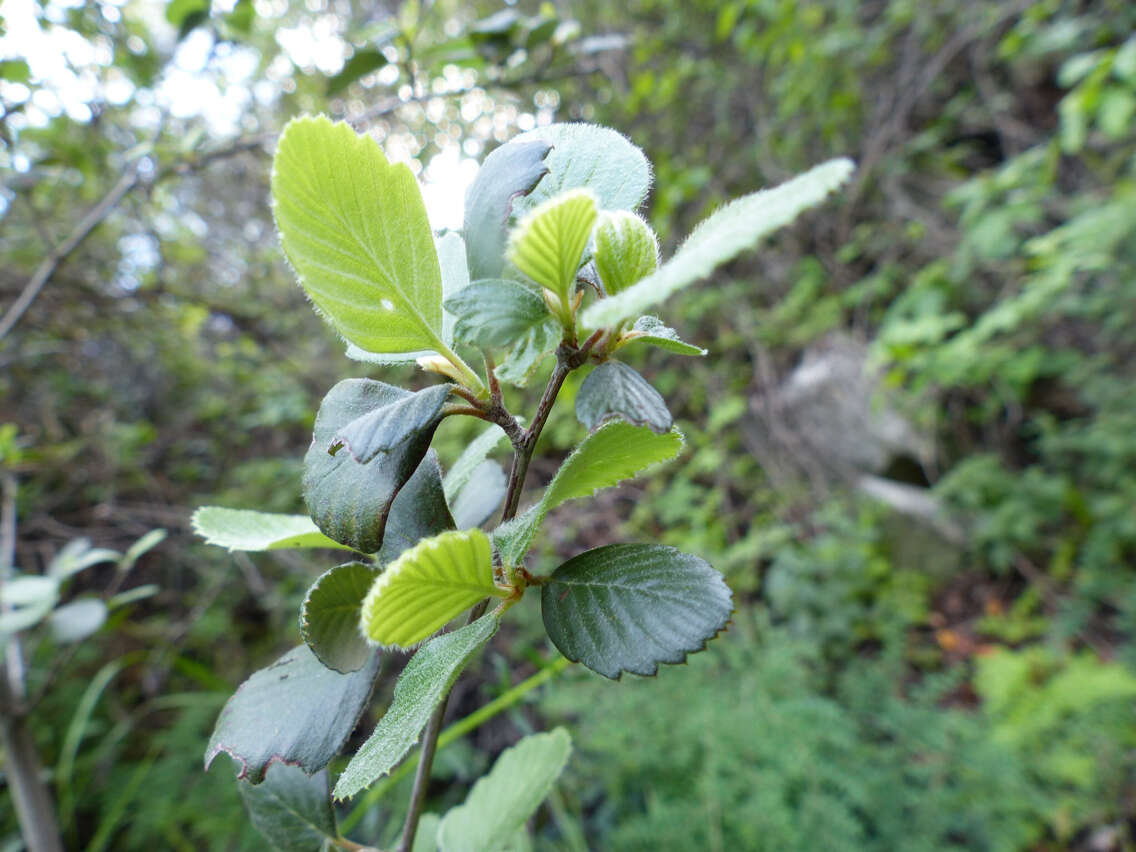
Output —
<point x="912" y="446"/>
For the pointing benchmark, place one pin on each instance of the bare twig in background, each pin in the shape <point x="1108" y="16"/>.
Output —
<point x="35" y="809"/>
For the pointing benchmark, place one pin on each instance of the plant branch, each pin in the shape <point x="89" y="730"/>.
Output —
<point x="568" y="358"/>
<point x="35" y="809"/>
<point x="456" y="731"/>
<point x="60" y="253"/>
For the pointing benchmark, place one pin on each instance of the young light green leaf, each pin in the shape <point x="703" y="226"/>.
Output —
<point x="312" y="709"/>
<point x="472" y="456"/>
<point x="627" y="250"/>
<point x="549" y="241"/>
<point x="243" y="529"/>
<point x="427" y="677"/>
<point x="77" y="620"/>
<point x="384" y="428"/>
<point x="629" y="607"/>
<point x="291" y="809"/>
<point x="507" y="173"/>
<point x="354" y="228"/>
<point x="480" y="498"/>
<point x="329" y="617"/>
<point x="495" y="313"/>
<point x="350" y="501"/>
<point x="721" y="237"/>
<point x="585" y="155"/>
<point x="455" y="278"/>
<point x="528" y="353"/>
<point x="652" y="331"/>
<point x="432" y="582"/>
<point x="501" y="802"/>
<point x="614" y="452"/>
<point x="419" y="510"/>
<point x="615" y="390"/>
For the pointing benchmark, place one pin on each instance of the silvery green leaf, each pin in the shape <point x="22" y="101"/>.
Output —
<point x="720" y="238"/>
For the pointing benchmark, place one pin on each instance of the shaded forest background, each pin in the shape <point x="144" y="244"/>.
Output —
<point x="912" y="446"/>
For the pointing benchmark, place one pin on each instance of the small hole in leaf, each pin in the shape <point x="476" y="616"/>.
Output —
<point x="387" y="304"/>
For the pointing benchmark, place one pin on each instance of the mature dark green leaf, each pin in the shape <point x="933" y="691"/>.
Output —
<point x="350" y="501"/>
<point x="501" y="802"/>
<point x="419" y="511"/>
<point x="481" y="496"/>
<point x="329" y="617"/>
<point x="629" y="607"/>
<point x="385" y="428"/>
<point x="584" y="155"/>
<point x="296" y="711"/>
<point x="651" y="330"/>
<point x="427" y="677"/>
<point x="495" y="312"/>
<point x="508" y="172"/>
<point x="291" y="809"/>
<point x="361" y="63"/>
<point x="615" y="390"/>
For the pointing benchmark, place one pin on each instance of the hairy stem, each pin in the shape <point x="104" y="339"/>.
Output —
<point x="568" y="358"/>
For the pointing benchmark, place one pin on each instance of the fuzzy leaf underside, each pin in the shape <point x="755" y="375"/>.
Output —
<point x="243" y="529"/>
<point x="614" y="452"/>
<point x="501" y="802"/>
<point x="312" y="711"/>
<point x="719" y="238"/>
<point x="615" y="390"/>
<point x="472" y="456"/>
<point x="480" y="498"/>
<point x="652" y="331"/>
<point x="586" y="155"/>
<point x="509" y="172"/>
<point x="426" y="678"/>
<point x="290" y="809"/>
<point x="629" y="607"/>
<point x="350" y="501"/>
<point x="354" y="227"/>
<point x="329" y="617"/>
<point x="429" y="584"/>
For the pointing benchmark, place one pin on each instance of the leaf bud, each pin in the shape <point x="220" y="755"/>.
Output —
<point x="626" y="250"/>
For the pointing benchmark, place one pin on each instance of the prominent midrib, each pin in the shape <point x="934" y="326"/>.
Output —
<point x="363" y="251"/>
